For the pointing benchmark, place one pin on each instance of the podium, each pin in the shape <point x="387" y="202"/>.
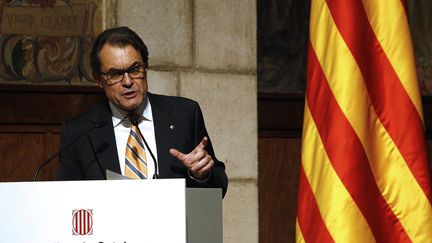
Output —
<point x="116" y="211"/>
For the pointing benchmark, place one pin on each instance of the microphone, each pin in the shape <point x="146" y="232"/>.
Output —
<point x="47" y="161"/>
<point x="134" y="118"/>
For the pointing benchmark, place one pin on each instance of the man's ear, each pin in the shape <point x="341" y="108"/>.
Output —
<point x="97" y="78"/>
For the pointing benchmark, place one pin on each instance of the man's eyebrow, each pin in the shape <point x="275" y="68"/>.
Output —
<point x="115" y="70"/>
<point x="135" y="64"/>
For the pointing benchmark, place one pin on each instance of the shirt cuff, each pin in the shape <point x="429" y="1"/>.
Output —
<point x="201" y="181"/>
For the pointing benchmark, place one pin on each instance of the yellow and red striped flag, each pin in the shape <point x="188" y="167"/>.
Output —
<point x="364" y="175"/>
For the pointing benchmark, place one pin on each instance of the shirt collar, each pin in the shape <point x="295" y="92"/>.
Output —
<point x="118" y="115"/>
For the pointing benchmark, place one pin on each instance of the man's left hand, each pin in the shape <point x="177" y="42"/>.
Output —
<point x="198" y="162"/>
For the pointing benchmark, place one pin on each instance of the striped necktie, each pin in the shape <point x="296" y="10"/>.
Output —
<point x="135" y="161"/>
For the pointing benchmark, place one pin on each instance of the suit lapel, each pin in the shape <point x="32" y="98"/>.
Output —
<point x="103" y="140"/>
<point x="165" y="133"/>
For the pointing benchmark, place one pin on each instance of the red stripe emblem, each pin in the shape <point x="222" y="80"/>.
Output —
<point x="82" y="222"/>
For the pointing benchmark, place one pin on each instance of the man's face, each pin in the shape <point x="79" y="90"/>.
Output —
<point x="129" y="93"/>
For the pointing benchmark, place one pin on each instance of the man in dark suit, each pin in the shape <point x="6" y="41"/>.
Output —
<point x="173" y="127"/>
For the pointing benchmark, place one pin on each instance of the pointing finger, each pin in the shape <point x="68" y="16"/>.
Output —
<point x="179" y="155"/>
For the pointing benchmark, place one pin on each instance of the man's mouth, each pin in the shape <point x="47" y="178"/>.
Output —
<point x="129" y="94"/>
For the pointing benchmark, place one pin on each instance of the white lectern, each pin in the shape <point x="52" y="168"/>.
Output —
<point x="132" y="211"/>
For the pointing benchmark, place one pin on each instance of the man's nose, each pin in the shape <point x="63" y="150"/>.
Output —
<point x="127" y="80"/>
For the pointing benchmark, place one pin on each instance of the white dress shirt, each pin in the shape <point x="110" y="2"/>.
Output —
<point x="122" y="129"/>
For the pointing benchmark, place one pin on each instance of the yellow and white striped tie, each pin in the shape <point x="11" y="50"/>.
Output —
<point x="136" y="161"/>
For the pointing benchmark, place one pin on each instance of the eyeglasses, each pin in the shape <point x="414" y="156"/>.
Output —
<point x="115" y="76"/>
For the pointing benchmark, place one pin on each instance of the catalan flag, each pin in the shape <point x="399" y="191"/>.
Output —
<point x="364" y="175"/>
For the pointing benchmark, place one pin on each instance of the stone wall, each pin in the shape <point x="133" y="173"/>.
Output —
<point x="206" y="50"/>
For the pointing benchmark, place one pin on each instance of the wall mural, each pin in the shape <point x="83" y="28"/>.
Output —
<point x="283" y="32"/>
<point x="48" y="40"/>
<point x="420" y="13"/>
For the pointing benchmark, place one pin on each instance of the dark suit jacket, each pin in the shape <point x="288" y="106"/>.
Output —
<point x="92" y="153"/>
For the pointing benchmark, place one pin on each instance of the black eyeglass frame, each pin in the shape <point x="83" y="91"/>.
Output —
<point x="133" y="68"/>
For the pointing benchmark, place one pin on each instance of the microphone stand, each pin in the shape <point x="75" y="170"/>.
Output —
<point x="47" y="161"/>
